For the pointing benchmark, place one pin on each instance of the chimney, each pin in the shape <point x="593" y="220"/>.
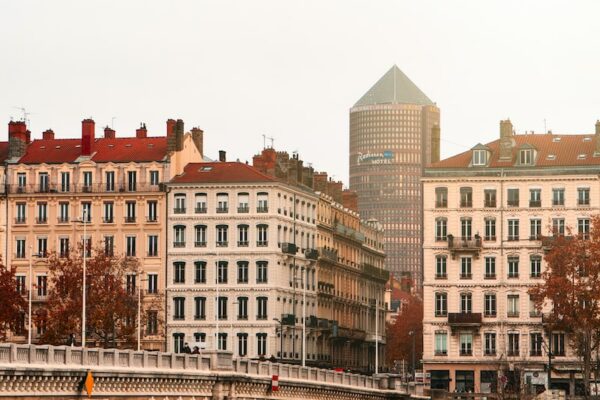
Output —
<point x="170" y="127"/>
<point x="222" y="156"/>
<point x="88" y="132"/>
<point x="179" y="130"/>
<point x="141" y="132"/>
<point x="171" y="145"/>
<point x="17" y="138"/>
<point x="597" y="127"/>
<point x="435" y="143"/>
<point x="597" y="138"/>
<point x="198" y="139"/>
<point x="48" y="134"/>
<point x="506" y="140"/>
<point x="27" y="136"/>
<point x="109" y="133"/>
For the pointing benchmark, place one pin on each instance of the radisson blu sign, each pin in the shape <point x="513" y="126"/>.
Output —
<point x="376" y="158"/>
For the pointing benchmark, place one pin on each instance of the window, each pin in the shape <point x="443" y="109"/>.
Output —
<point x="21" y="181"/>
<point x="131" y="181"/>
<point x="441" y="304"/>
<point x="526" y="157"/>
<point x="465" y="268"/>
<point x="513" y="229"/>
<point x="441" y="343"/>
<point x="441" y="197"/>
<point x="535" y="347"/>
<point x="243" y="203"/>
<point x="200" y="337"/>
<point x="87" y="245"/>
<point x="513" y="305"/>
<point x="536" y="266"/>
<point x="179" y="272"/>
<point x="152" y="211"/>
<point x="466" y="344"/>
<point x="42" y="213"/>
<point x="200" y="203"/>
<point x="152" y="283"/>
<point x="200" y="272"/>
<point x="42" y="285"/>
<point x="513" y="267"/>
<point x="466" y="197"/>
<point x="130" y="211"/>
<point x="221" y="235"/>
<point x="490" y="229"/>
<point x="558" y="226"/>
<point x="152" y="245"/>
<point x="242" y="235"/>
<point x="466" y="303"/>
<point x="489" y="304"/>
<point x="513" y="343"/>
<point x="152" y="322"/>
<point x="490" y="268"/>
<point x="535" y="229"/>
<point x="154" y="178"/>
<point x="441" y="229"/>
<point x="200" y="307"/>
<point x="130" y="246"/>
<point x="583" y="227"/>
<point x="261" y="271"/>
<point x="242" y="271"/>
<point x="262" y="233"/>
<point x="178" y="342"/>
<point x="109" y="245"/>
<point x="558" y="344"/>
<point x="440" y="267"/>
<point x="63" y="212"/>
<point x="130" y="281"/>
<point x="558" y="197"/>
<point x="178" y="308"/>
<point x="242" y="313"/>
<point x="535" y="197"/>
<point x="110" y="181"/>
<point x="489" y="197"/>
<point x="42" y="246"/>
<point x="44" y="182"/>
<point x="490" y="344"/>
<point x="242" y="344"/>
<point x="87" y="181"/>
<point x="534" y="311"/>
<point x="64" y="247"/>
<point x="263" y="202"/>
<point x="21" y="287"/>
<point x="222" y="272"/>
<point x="21" y="210"/>
<point x="479" y="157"/>
<point x="179" y="204"/>
<point x="465" y="228"/>
<point x="583" y="196"/>
<point x="108" y="212"/>
<point x="86" y="211"/>
<point x="179" y="236"/>
<point x="65" y="181"/>
<point x="200" y="236"/>
<point x="261" y="339"/>
<point x="261" y="305"/>
<point x="222" y="308"/>
<point x="222" y="202"/>
<point x="513" y="197"/>
<point x="20" y="248"/>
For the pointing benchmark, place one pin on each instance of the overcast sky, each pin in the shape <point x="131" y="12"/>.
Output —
<point x="292" y="70"/>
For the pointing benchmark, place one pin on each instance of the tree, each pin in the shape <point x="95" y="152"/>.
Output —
<point x="12" y="303"/>
<point x="399" y="338"/>
<point x="571" y="288"/>
<point x="111" y="304"/>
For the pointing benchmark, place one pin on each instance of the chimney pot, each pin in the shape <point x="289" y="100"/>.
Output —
<point x="222" y="156"/>
<point x="88" y="132"/>
<point x="48" y="134"/>
<point x="141" y="132"/>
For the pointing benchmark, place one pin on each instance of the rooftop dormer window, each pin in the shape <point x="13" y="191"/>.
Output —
<point x="526" y="157"/>
<point x="479" y="157"/>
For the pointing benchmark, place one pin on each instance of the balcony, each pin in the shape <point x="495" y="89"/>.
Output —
<point x="222" y="243"/>
<point x="242" y="243"/>
<point x="463" y="321"/>
<point x="243" y="209"/>
<point x="289" y="248"/>
<point x="535" y="203"/>
<point x="179" y="244"/>
<point x="311" y="254"/>
<point x="41" y="220"/>
<point x="179" y="210"/>
<point x="464" y="246"/>
<point x="200" y="210"/>
<point x="263" y="209"/>
<point x="328" y="254"/>
<point x="200" y="244"/>
<point x="130" y="220"/>
<point x="79" y="188"/>
<point x="262" y="243"/>
<point x="288" y="319"/>
<point x="108" y="220"/>
<point x="222" y="210"/>
<point x="20" y="220"/>
<point x="63" y="220"/>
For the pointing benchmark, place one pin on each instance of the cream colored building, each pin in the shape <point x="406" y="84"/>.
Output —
<point x="485" y="213"/>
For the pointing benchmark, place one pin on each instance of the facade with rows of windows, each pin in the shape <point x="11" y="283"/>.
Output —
<point x="484" y="223"/>
<point x="111" y="185"/>
<point x="241" y="267"/>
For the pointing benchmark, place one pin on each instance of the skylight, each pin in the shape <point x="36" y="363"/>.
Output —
<point x="581" y="157"/>
<point x="551" y="157"/>
<point x="556" y="139"/>
<point x="206" y="169"/>
<point x="587" y="139"/>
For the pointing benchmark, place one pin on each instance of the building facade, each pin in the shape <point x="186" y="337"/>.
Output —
<point x="486" y="212"/>
<point x="116" y="183"/>
<point x="394" y="133"/>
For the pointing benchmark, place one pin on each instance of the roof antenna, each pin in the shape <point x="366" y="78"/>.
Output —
<point x="112" y="122"/>
<point x="265" y="137"/>
<point x="545" y="130"/>
<point x="25" y="114"/>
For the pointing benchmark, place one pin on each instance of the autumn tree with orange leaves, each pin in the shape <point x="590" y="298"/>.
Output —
<point x="399" y="345"/>
<point x="12" y="303"/>
<point x="570" y="288"/>
<point x="111" y="305"/>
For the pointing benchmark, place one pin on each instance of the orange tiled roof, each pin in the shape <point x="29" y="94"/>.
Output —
<point x="3" y="151"/>
<point x="221" y="172"/>
<point x="552" y="151"/>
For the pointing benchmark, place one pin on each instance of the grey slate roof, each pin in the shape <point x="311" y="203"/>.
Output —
<point x="394" y="87"/>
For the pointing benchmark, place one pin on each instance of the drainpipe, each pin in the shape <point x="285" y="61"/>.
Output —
<point x="166" y="225"/>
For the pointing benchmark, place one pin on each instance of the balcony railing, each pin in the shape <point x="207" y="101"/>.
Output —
<point x="179" y="210"/>
<point x="472" y="246"/>
<point x="311" y="254"/>
<point x="535" y="203"/>
<point x="42" y="220"/>
<point x="63" y="220"/>
<point x="79" y="188"/>
<point x="20" y="220"/>
<point x="289" y="248"/>
<point x="328" y="254"/>
<point x="242" y="243"/>
<point x="263" y="209"/>
<point x="243" y="209"/>
<point x="179" y="244"/>
<point x="200" y="210"/>
<point x="464" y="320"/>
<point x="200" y="244"/>
<point x="222" y="210"/>
<point x="130" y="220"/>
<point x="262" y="243"/>
<point x="108" y="220"/>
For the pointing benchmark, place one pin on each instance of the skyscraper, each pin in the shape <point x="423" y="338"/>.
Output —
<point x="394" y="134"/>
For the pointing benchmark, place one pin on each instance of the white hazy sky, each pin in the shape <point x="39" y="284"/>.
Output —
<point x="291" y="70"/>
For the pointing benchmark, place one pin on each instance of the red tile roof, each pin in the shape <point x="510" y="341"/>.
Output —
<point x="105" y="150"/>
<point x="221" y="172"/>
<point x="3" y="151"/>
<point x="552" y="151"/>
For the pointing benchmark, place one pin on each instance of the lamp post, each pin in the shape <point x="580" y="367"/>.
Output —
<point x="376" y="336"/>
<point x="84" y="220"/>
<point x="233" y="304"/>
<point x="280" y="338"/>
<point x="30" y="289"/>
<point x="139" y="313"/>
<point x="412" y="334"/>
<point x="304" y="282"/>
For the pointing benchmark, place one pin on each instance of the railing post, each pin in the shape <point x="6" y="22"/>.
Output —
<point x="50" y="355"/>
<point x="32" y="353"/>
<point x="85" y="359"/>
<point x="12" y="357"/>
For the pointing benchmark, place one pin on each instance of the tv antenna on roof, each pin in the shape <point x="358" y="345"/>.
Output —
<point x="265" y="137"/>
<point x="25" y="114"/>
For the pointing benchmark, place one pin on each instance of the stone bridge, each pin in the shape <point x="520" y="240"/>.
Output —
<point x="60" y="372"/>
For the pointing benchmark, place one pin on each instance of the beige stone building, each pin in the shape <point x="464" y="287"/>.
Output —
<point x="485" y="213"/>
<point x="117" y="182"/>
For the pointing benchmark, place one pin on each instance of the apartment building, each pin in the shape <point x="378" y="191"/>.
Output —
<point x="486" y="213"/>
<point x="110" y="185"/>
<point x="241" y="266"/>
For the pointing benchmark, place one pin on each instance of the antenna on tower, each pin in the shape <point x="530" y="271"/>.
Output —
<point x="265" y="137"/>
<point x="25" y="114"/>
<point x="112" y="122"/>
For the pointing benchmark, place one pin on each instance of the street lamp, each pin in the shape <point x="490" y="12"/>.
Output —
<point x="84" y="220"/>
<point x="31" y="256"/>
<point x="139" y="312"/>
<point x="280" y="338"/>
<point x="413" y="335"/>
